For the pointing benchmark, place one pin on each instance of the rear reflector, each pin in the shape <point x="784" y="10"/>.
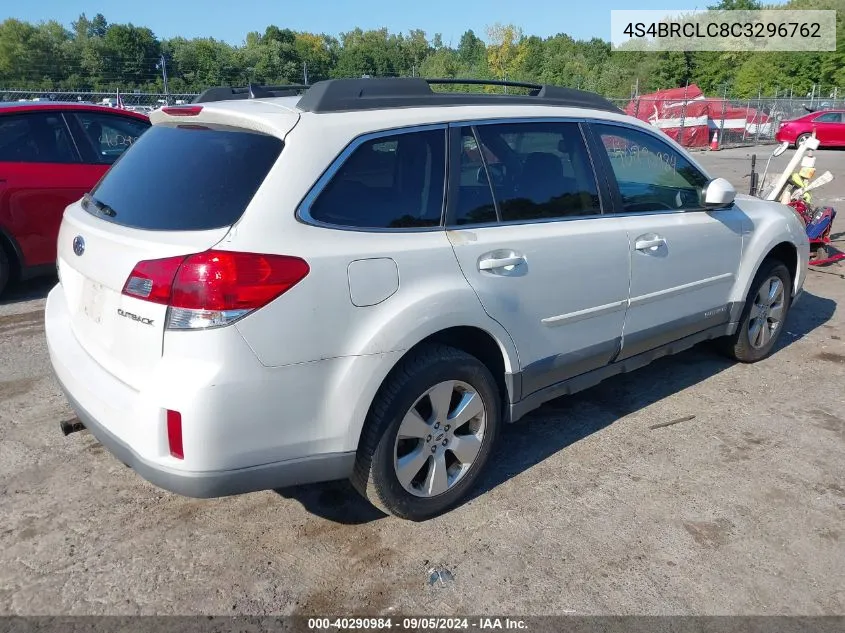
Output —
<point x="214" y="288"/>
<point x="192" y="110"/>
<point x="174" y="434"/>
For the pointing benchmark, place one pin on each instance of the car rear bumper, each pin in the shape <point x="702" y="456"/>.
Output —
<point x="220" y="483"/>
<point x="245" y="427"/>
<point x="785" y="135"/>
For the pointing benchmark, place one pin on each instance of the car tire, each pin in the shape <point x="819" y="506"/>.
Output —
<point x="462" y="385"/>
<point x="763" y="316"/>
<point x="5" y="269"/>
<point x="802" y="139"/>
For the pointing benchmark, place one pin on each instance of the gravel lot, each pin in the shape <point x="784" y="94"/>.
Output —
<point x="586" y="510"/>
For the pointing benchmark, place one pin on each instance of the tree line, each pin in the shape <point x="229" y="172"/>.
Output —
<point x="95" y="55"/>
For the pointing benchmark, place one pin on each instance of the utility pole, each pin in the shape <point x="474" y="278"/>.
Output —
<point x="305" y="73"/>
<point x="163" y="64"/>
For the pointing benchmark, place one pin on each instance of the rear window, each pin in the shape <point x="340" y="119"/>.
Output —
<point x="185" y="178"/>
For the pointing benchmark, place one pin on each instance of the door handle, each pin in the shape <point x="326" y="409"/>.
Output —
<point x="492" y="263"/>
<point x="649" y="243"/>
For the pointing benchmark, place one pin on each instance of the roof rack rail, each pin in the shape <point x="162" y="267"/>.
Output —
<point x="483" y="82"/>
<point x="252" y="91"/>
<point x="340" y="95"/>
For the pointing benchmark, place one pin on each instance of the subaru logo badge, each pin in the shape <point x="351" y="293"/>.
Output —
<point x="78" y="245"/>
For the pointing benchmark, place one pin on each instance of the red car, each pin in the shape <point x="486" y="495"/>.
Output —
<point x="828" y="124"/>
<point x="50" y="155"/>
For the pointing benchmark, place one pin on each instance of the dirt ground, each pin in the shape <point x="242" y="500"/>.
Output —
<point x="585" y="510"/>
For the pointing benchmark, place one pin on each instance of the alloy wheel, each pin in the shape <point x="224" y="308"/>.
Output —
<point x="439" y="438"/>
<point x="766" y="313"/>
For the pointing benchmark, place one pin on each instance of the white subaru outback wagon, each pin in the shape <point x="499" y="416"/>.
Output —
<point x="368" y="279"/>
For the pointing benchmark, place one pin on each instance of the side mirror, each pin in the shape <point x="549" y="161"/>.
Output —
<point x="719" y="193"/>
<point x="780" y="149"/>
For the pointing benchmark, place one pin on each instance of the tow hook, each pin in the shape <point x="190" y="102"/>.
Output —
<point x="71" y="426"/>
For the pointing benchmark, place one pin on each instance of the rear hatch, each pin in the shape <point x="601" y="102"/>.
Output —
<point x="174" y="193"/>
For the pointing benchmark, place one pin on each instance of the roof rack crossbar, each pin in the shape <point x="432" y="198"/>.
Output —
<point x="252" y="91"/>
<point x="375" y="93"/>
<point x="341" y="95"/>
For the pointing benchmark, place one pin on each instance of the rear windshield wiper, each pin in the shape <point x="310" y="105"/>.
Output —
<point x="88" y="201"/>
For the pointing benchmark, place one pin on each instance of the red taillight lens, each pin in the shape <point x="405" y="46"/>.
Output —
<point x="226" y="280"/>
<point x="174" y="434"/>
<point x="152" y="280"/>
<point x="215" y="287"/>
<point x="182" y="110"/>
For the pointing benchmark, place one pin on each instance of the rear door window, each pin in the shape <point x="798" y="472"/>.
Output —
<point x="38" y="137"/>
<point x="106" y="136"/>
<point x="394" y="181"/>
<point x="541" y="170"/>
<point x="474" y="200"/>
<point x="185" y="178"/>
<point x="523" y="171"/>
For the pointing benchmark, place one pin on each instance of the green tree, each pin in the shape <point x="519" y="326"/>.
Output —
<point x="471" y="50"/>
<point x="503" y="50"/>
<point x="674" y="69"/>
<point x="318" y="53"/>
<point x="130" y="55"/>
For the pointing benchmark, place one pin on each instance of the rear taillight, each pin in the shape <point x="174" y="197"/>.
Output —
<point x="213" y="288"/>
<point x="152" y="280"/>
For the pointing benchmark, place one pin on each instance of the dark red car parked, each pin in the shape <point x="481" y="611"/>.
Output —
<point x="50" y="155"/>
<point x="828" y="124"/>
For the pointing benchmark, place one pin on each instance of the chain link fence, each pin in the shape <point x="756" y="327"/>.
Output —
<point x="693" y="122"/>
<point x="733" y="122"/>
<point x="138" y="101"/>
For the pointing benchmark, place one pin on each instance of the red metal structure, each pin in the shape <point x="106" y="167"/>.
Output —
<point x="690" y="118"/>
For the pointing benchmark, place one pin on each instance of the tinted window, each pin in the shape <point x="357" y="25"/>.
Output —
<point x="539" y="170"/>
<point x="652" y="176"/>
<point x="108" y="135"/>
<point x="35" y="138"/>
<point x="186" y="178"/>
<point x="474" y="204"/>
<point x="829" y="117"/>
<point x="389" y="182"/>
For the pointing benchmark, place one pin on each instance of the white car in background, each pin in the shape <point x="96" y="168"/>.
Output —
<point x="370" y="279"/>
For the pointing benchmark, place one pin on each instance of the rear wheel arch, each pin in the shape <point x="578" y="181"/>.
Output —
<point x="480" y="344"/>
<point x="472" y="340"/>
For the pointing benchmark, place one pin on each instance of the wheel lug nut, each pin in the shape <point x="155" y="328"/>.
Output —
<point x="446" y="428"/>
<point x="433" y="449"/>
<point x="428" y="439"/>
<point x="437" y="425"/>
<point x="445" y="442"/>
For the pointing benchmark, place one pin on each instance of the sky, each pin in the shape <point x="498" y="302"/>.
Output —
<point x="231" y="21"/>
